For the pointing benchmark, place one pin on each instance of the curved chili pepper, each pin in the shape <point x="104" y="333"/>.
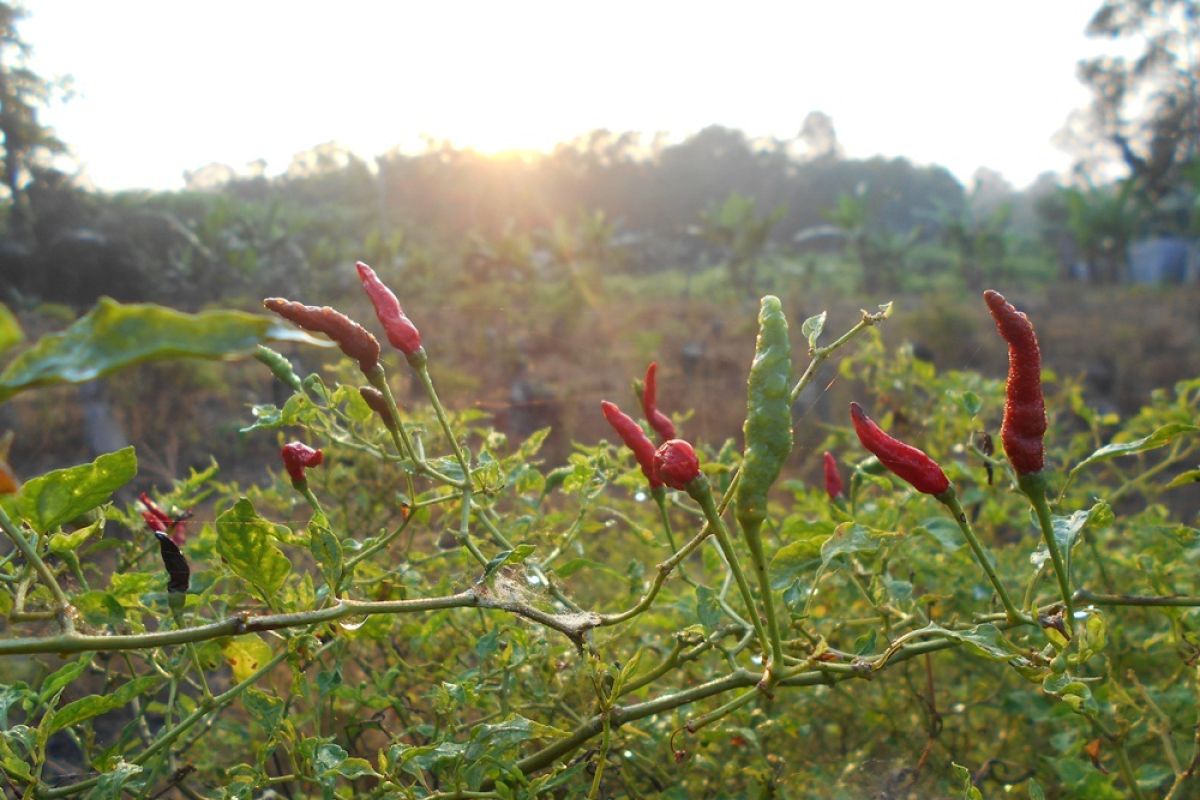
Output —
<point x="401" y="332"/>
<point x="659" y="421"/>
<point x="635" y="439"/>
<point x="1024" y="426"/>
<point x="375" y="399"/>
<point x="297" y="456"/>
<point x="280" y="367"/>
<point x="353" y="338"/>
<point x="178" y="573"/>
<point x="676" y="464"/>
<point x="768" y="428"/>
<point x="833" y="479"/>
<point x="904" y="460"/>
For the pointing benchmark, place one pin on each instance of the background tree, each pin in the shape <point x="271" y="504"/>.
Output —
<point x="1146" y="106"/>
<point x="26" y="141"/>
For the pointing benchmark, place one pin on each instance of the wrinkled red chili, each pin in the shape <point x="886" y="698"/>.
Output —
<point x="635" y="439"/>
<point x="659" y="421"/>
<point x="401" y="332"/>
<point x="297" y="456"/>
<point x="833" y="479"/>
<point x="353" y="338"/>
<point x="676" y="464"/>
<point x="904" y="460"/>
<point x="1024" y="428"/>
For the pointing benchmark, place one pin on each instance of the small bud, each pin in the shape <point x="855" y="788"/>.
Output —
<point x="833" y="479"/>
<point x="378" y="403"/>
<point x="676" y="464"/>
<point x="297" y="456"/>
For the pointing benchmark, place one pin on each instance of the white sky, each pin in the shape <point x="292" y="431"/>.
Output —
<point x="164" y="86"/>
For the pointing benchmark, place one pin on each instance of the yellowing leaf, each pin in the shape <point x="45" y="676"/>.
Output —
<point x="245" y="654"/>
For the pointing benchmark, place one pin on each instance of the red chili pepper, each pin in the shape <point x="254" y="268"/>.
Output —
<point x="155" y="517"/>
<point x="400" y="330"/>
<point x="635" y="439"/>
<point x="353" y="338"/>
<point x="833" y="480"/>
<point x="160" y="521"/>
<point x="297" y="456"/>
<point x="1024" y="426"/>
<point x="659" y="421"/>
<point x="676" y="464"/>
<point x="903" y="459"/>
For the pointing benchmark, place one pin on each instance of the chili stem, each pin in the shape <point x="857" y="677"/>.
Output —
<point x="1034" y="487"/>
<point x="950" y="500"/>
<point x="704" y="497"/>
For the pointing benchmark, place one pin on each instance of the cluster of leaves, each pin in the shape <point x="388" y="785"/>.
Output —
<point x="483" y="626"/>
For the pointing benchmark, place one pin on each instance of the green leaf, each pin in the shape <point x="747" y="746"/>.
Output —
<point x="945" y="531"/>
<point x="94" y="705"/>
<point x="112" y="336"/>
<point x="966" y="787"/>
<point x="708" y="610"/>
<point x="1160" y="437"/>
<point x="61" y="495"/>
<point x="110" y="785"/>
<point x="849" y="538"/>
<point x="569" y="568"/>
<point x="1185" y="478"/>
<point x="985" y="641"/>
<point x="971" y="403"/>
<point x="62" y="678"/>
<point x="63" y="543"/>
<point x="1035" y="790"/>
<point x="327" y="550"/>
<point x="265" y="709"/>
<point x="505" y="557"/>
<point x="804" y="542"/>
<point x="10" y="330"/>
<point x="246" y="542"/>
<point x="1067" y="530"/>
<point x="812" y="328"/>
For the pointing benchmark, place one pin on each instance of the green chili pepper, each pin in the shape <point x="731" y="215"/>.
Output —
<point x="768" y="428"/>
<point x="280" y="367"/>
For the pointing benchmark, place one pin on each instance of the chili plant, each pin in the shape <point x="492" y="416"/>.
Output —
<point x="414" y="607"/>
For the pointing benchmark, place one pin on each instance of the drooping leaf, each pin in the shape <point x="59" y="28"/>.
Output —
<point x="111" y="783"/>
<point x="62" y="543"/>
<point x="505" y="557"/>
<point x="1067" y="530"/>
<point x="10" y="330"/>
<point x="94" y="705"/>
<point x="1158" y="438"/>
<point x="114" y="335"/>
<point x="327" y="550"/>
<point x="246" y="542"/>
<point x="945" y="531"/>
<point x="985" y="641"/>
<point x="61" y="495"/>
<point x="849" y="538"/>
<point x="812" y="328"/>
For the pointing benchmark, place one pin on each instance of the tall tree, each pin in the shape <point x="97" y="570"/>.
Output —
<point x="1145" y="107"/>
<point x="26" y="141"/>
